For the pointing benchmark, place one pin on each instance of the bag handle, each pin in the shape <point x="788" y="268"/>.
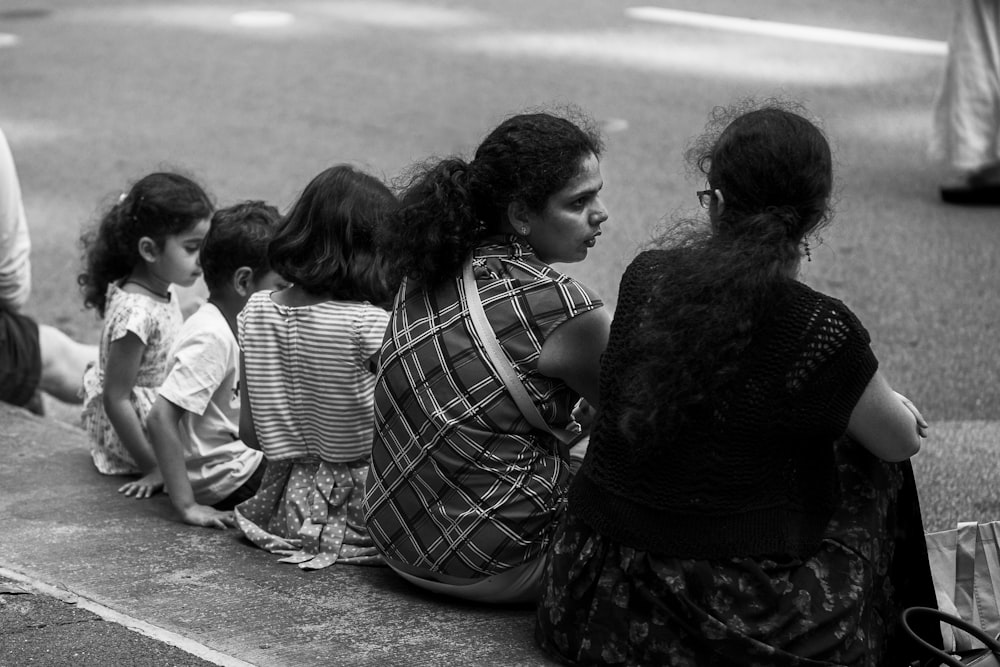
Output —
<point x="966" y="542"/>
<point x="491" y="346"/>
<point x="954" y="621"/>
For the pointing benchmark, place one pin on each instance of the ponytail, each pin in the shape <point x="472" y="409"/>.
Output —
<point x="435" y="227"/>
<point x="771" y="238"/>
<point x="702" y="313"/>
<point x="109" y="254"/>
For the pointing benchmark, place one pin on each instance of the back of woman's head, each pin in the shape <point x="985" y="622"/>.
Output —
<point x="451" y="204"/>
<point x="325" y="244"/>
<point x="159" y="205"/>
<point x="774" y="170"/>
<point x="722" y="280"/>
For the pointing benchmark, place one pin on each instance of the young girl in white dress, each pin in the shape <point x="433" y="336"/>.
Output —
<point x="309" y="375"/>
<point x="143" y="246"/>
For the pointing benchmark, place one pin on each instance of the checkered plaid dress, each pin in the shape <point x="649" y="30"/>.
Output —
<point x="460" y="484"/>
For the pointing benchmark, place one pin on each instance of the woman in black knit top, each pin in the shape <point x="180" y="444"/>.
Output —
<point x="747" y="497"/>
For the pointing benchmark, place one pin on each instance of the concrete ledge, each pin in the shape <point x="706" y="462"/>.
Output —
<point x="66" y="526"/>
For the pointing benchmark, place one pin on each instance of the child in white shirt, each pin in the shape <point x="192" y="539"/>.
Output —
<point x="194" y="424"/>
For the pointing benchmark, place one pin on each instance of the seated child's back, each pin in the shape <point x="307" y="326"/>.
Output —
<point x="194" y="425"/>
<point x="308" y="369"/>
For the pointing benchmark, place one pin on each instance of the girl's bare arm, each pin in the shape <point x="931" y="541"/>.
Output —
<point x="120" y="373"/>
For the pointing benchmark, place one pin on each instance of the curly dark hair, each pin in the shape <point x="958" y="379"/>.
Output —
<point x="326" y="243"/>
<point x="450" y="204"/>
<point x="237" y="237"/>
<point x="158" y="205"/>
<point x="774" y="170"/>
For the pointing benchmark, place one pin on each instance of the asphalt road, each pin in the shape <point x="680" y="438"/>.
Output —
<point x="95" y="94"/>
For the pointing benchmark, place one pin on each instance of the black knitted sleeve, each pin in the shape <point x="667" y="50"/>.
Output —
<point x="834" y="365"/>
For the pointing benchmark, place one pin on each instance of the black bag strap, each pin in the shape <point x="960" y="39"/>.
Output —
<point x="990" y="643"/>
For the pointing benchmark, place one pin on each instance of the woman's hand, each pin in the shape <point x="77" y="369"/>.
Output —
<point x="583" y="414"/>
<point x="921" y="422"/>
<point x="145" y="486"/>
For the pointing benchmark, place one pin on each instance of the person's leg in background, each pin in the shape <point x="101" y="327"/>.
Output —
<point x="20" y="360"/>
<point x="63" y="363"/>
<point x="38" y="357"/>
<point x="967" y="110"/>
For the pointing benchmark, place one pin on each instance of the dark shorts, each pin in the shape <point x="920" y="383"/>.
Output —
<point x="247" y="491"/>
<point x="20" y="358"/>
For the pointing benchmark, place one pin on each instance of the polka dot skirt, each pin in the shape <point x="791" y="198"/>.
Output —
<point x="311" y="511"/>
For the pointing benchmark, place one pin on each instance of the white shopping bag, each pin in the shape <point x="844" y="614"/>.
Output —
<point x="965" y="565"/>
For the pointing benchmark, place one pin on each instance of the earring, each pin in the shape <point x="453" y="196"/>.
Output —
<point x="524" y="231"/>
<point x="805" y="245"/>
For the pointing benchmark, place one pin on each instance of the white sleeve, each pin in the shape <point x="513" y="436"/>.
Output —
<point x="15" y="246"/>
<point x="200" y="365"/>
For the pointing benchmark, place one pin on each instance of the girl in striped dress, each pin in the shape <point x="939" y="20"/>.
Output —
<point x="309" y="376"/>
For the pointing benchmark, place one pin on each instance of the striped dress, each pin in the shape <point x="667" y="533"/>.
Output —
<point x="310" y="388"/>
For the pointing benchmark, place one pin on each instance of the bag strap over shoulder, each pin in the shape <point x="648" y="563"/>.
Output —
<point x="501" y="363"/>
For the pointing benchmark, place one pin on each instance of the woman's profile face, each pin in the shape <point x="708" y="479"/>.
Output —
<point x="570" y="222"/>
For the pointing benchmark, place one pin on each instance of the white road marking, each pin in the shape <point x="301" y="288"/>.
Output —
<point x="262" y="19"/>
<point x="311" y="17"/>
<point x="766" y="63"/>
<point x="6" y="39"/>
<point x="789" y="31"/>
<point x="142" y="627"/>
<point x="614" y="125"/>
<point x="408" y="15"/>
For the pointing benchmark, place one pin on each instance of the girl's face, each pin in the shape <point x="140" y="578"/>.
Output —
<point x="177" y="261"/>
<point x="569" y="224"/>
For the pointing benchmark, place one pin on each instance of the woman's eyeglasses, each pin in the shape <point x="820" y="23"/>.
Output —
<point x="705" y="197"/>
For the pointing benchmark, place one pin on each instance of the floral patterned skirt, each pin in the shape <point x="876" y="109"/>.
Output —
<point x="106" y="448"/>
<point x="605" y="603"/>
<point x="311" y="511"/>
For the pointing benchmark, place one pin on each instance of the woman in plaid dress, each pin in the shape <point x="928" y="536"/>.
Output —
<point x="463" y="493"/>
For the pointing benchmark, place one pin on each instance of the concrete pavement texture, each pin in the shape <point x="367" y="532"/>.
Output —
<point x="69" y="532"/>
<point x="80" y="564"/>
